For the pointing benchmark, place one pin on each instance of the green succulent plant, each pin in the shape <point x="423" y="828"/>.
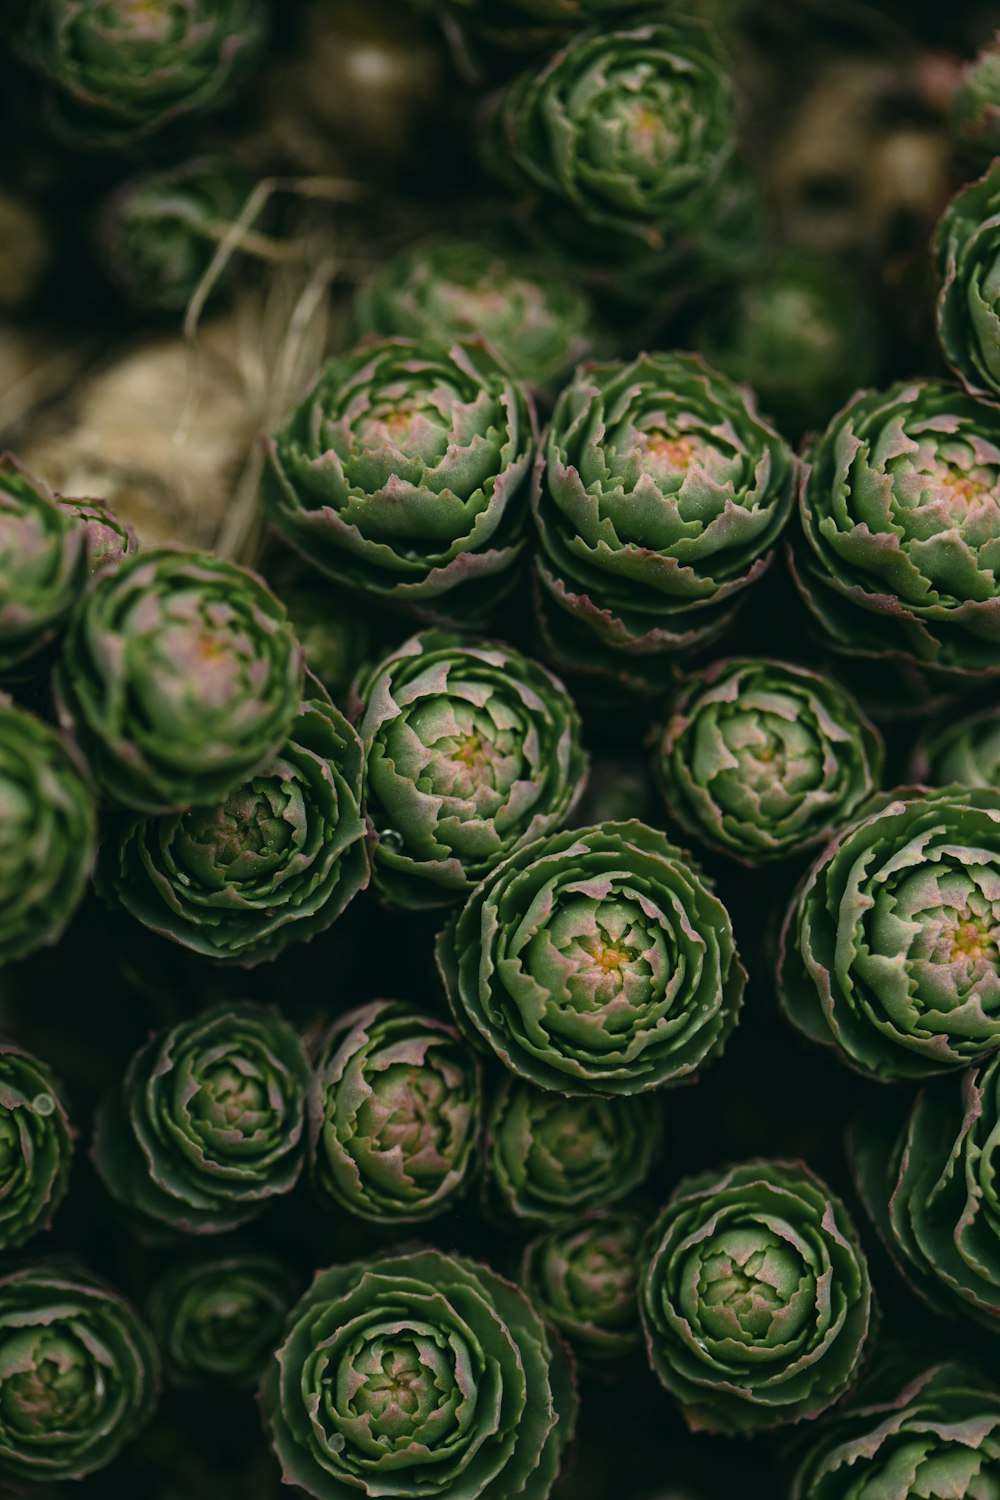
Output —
<point x="179" y="677"/>
<point x="78" y="1377"/>
<point x="659" y="501"/>
<point x="394" y="1114"/>
<point x="763" y="760"/>
<point x="964" y="750"/>
<point x="596" y="961"/>
<point x="548" y="1158"/>
<point x="119" y="70"/>
<point x="107" y="539"/>
<point x="419" y="1374"/>
<point x="755" y="1297"/>
<point x="218" y="1319"/>
<point x="48" y="834"/>
<point x="275" y="862"/>
<point x="967" y="254"/>
<point x="43" y="568"/>
<point x="975" y="104"/>
<point x="209" y="1123"/>
<point x="889" y="950"/>
<point x="403" y="475"/>
<point x="472" y="751"/>
<point x="36" y="1146"/>
<point x="585" y="1279"/>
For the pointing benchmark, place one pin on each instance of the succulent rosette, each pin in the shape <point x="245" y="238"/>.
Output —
<point x="889" y="949"/>
<point x="36" y="1146"/>
<point x="938" y="1434"/>
<point x="762" y="760"/>
<point x="964" y="750"/>
<point x="403" y="475"/>
<point x="42" y="570"/>
<point x="78" y="1375"/>
<point x="525" y="308"/>
<point x="755" y="1297"/>
<point x="975" y="104"/>
<point x="336" y="642"/>
<point x="931" y="1183"/>
<point x="584" y="1278"/>
<point x="218" y="1319"/>
<point x="419" y="1374"/>
<point x="275" y="862"/>
<point x="48" y="834"/>
<point x="179" y="677"/>
<point x="660" y="495"/>
<point x="108" y="540"/>
<point x="209" y="1124"/>
<point x="160" y="232"/>
<point x="596" y="961"/>
<point x="394" y="1114"/>
<point x="899" y="506"/>
<point x="121" y="69"/>
<point x="967" y="250"/>
<point x="548" y="1158"/>
<point x="472" y="751"/>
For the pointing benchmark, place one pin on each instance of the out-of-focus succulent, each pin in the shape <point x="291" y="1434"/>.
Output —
<point x="900" y="504"/>
<point x="799" y="333"/>
<point x="43" y="567"/>
<point x="107" y="540"/>
<point x="403" y="475"/>
<point x="336" y="641"/>
<point x="219" y="1319"/>
<point x="659" y="499"/>
<point x="394" y="1114"/>
<point x="209" y="1123"/>
<point x="967" y="251"/>
<point x="549" y="1158"/>
<point x="938" y="1435"/>
<point x="36" y="1146"/>
<point x="964" y="750"/>
<point x="526" y="309"/>
<point x="472" y="750"/>
<point x="596" y="961"/>
<point x="762" y="760"/>
<point x="78" y="1376"/>
<point x="755" y="1297"/>
<point x="931" y="1183"/>
<point x="179" y="677"/>
<point x="274" y="863"/>
<point x="121" y="69"/>
<point x="419" y="1374"/>
<point x="159" y="232"/>
<point x="48" y="834"/>
<point x="585" y="1279"/>
<point x="975" y="104"/>
<point x="889" y="950"/>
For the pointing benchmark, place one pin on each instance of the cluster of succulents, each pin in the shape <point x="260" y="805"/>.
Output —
<point x="500" y="882"/>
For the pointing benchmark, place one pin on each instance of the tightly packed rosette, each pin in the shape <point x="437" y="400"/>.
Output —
<point x="762" y="760"/>
<point x="217" y="1320"/>
<point x="755" y="1297"/>
<point x="597" y="961"/>
<point x="584" y="1278"/>
<point x="36" y="1146"/>
<point x="108" y="540"/>
<point x="418" y="1375"/>
<point x="160" y="232"/>
<point x="79" y="1373"/>
<point x="274" y="863"/>
<point x="179" y="677"/>
<point x="548" y="1158"/>
<point x="964" y="750"/>
<point x="660" y="495"/>
<point x="900" y="509"/>
<point x="889" y="950"/>
<point x="929" y="1176"/>
<point x="120" y="69"/>
<point x="472" y="751"/>
<point x="524" y="307"/>
<point x="967" y="250"/>
<point x="48" y="834"/>
<point x="43" y="567"/>
<point x="936" y="1435"/>
<point x="403" y="475"/>
<point x="394" y="1111"/>
<point x="975" y="104"/>
<point x="209" y="1123"/>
